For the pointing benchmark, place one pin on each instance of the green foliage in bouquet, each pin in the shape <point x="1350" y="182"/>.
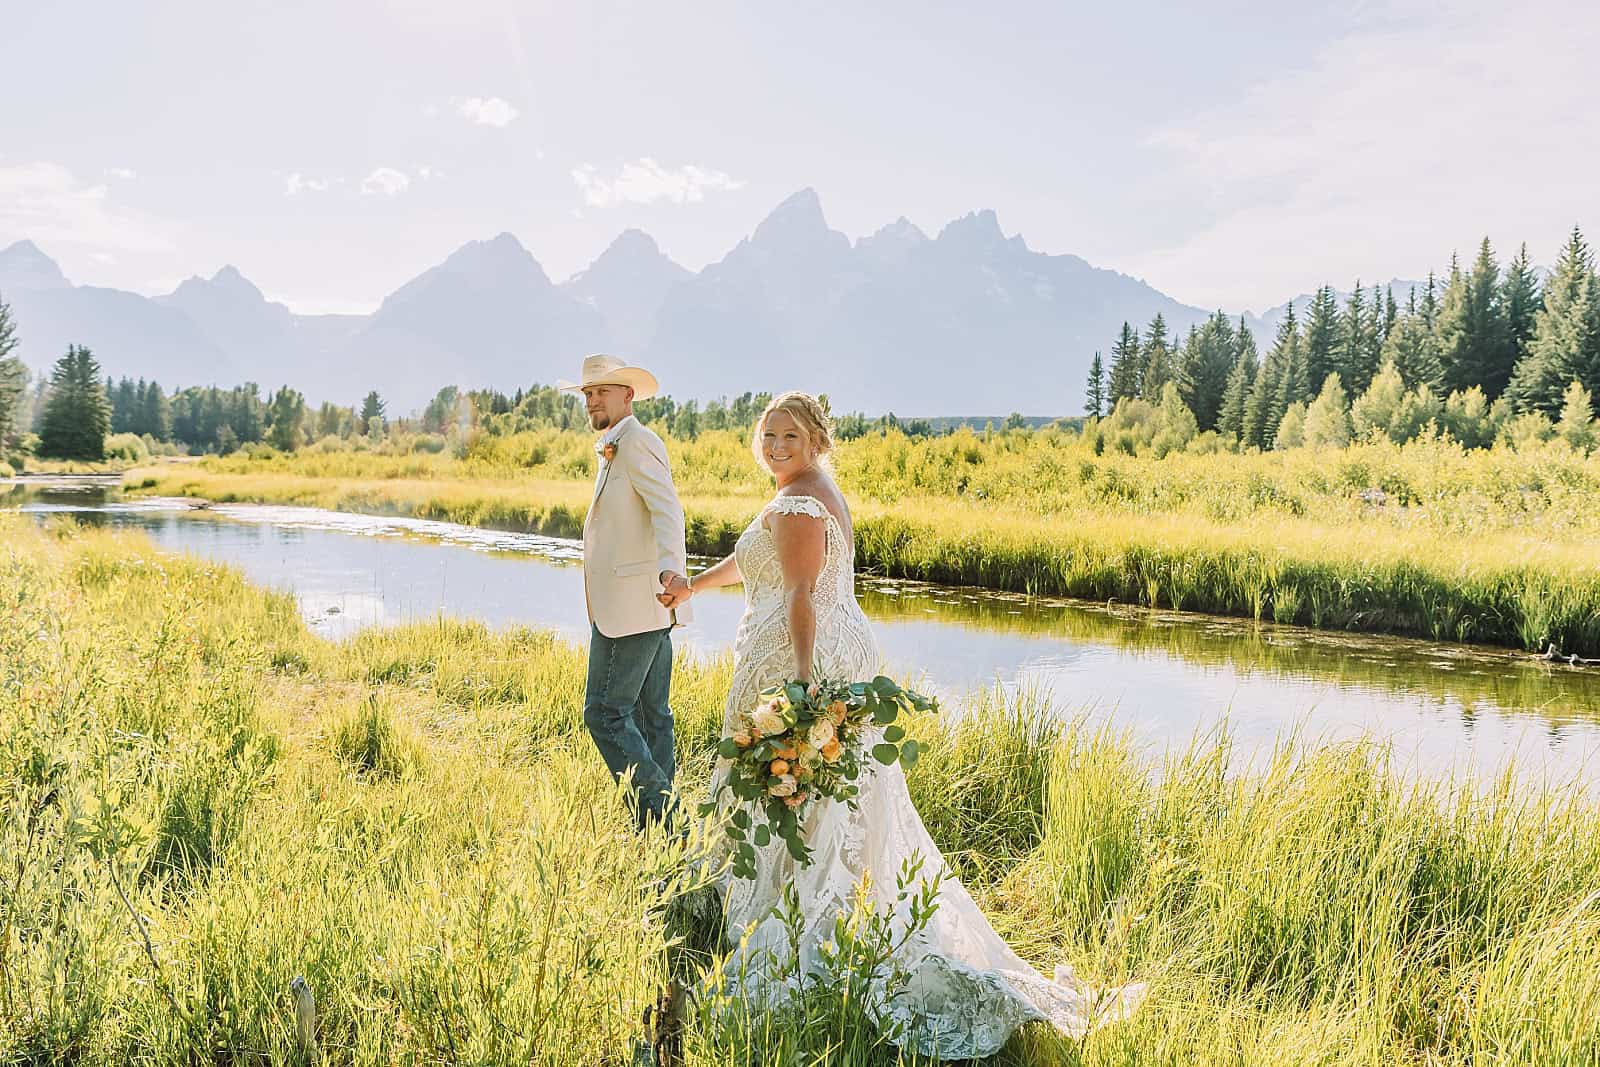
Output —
<point x="799" y="745"/>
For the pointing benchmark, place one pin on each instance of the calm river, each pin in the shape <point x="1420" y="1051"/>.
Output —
<point x="1164" y="676"/>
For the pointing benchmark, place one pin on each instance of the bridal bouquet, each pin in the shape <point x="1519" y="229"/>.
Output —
<point x="799" y="745"/>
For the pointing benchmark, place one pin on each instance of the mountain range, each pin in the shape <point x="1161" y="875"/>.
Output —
<point x="967" y="321"/>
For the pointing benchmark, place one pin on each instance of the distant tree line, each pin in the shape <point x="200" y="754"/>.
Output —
<point x="1486" y="347"/>
<point x="543" y="407"/>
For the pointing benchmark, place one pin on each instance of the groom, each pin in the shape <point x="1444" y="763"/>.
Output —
<point x="633" y="581"/>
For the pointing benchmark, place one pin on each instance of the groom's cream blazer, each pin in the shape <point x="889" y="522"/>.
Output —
<point x="633" y="532"/>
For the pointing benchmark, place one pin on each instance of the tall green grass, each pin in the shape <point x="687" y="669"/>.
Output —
<point x="200" y="800"/>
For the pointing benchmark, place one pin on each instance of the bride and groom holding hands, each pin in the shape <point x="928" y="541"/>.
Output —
<point x="965" y="989"/>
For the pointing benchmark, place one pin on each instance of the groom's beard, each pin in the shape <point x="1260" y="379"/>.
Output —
<point x="600" y="421"/>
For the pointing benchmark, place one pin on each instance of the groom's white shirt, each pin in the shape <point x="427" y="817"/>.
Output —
<point x="633" y="532"/>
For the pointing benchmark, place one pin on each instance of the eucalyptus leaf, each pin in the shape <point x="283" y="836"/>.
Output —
<point x="885" y="753"/>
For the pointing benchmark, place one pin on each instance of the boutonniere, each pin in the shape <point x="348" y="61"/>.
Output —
<point x="606" y="450"/>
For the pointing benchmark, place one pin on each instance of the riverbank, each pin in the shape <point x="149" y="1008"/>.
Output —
<point x="415" y="821"/>
<point x="1524" y="586"/>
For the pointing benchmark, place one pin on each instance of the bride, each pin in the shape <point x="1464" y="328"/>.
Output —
<point x="967" y="990"/>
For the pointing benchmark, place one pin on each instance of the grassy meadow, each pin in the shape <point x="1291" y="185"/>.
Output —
<point x="1495" y="546"/>
<point x="201" y="800"/>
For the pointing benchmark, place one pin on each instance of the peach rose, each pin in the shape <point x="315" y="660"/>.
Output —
<point x="830" y="751"/>
<point x="779" y="767"/>
<point x="768" y="721"/>
<point x="837" y="711"/>
<point x="742" y="739"/>
<point x="796" y="800"/>
<point x="783" y="787"/>
<point x="821" y="733"/>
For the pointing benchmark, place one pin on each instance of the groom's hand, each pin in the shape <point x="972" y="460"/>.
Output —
<point x="674" y="590"/>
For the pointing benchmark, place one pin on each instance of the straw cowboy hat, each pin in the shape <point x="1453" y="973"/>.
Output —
<point x="609" y="370"/>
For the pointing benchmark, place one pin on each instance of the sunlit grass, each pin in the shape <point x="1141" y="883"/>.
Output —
<point x="415" y="820"/>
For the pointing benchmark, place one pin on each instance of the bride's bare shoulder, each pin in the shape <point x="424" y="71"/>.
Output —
<point x="821" y="489"/>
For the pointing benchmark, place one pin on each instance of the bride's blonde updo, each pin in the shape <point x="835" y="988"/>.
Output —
<point x="808" y="413"/>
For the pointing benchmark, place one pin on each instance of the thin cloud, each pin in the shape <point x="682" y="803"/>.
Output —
<point x="1396" y="143"/>
<point x="121" y="173"/>
<point x="385" y="181"/>
<point x="485" y="111"/>
<point x="298" y="183"/>
<point x="48" y="203"/>
<point x="645" y="181"/>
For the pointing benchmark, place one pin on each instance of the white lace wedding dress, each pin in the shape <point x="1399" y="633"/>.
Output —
<point x="967" y="989"/>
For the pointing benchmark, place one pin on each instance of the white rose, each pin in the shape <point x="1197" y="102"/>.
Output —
<point x="821" y="733"/>
<point x="769" y="722"/>
<point x="783" y="787"/>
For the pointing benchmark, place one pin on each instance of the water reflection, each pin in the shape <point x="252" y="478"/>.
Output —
<point x="1163" y="675"/>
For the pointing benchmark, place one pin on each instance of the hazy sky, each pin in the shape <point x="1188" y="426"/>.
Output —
<point x="1230" y="154"/>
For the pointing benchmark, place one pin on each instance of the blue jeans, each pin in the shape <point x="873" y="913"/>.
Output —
<point x="625" y="709"/>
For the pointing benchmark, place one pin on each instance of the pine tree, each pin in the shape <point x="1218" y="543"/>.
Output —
<point x="1429" y="307"/>
<point x="1293" y="386"/>
<point x="1261" y="414"/>
<point x="1451" y="320"/>
<point x="77" y="415"/>
<point x="372" y="407"/>
<point x="157" y="417"/>
<point x="1347" y="349"/>
<point x="1158" y="362"/>
<point x="1241" y="379"/>
<point x="1391" y="314"/>
<point x="1208" y="358"/>
<point x="1320" y="347"/>
<point x="1095" y="398"/>
<point x="249" y="421"/>
<point x="13" y="378"/>
<point x="1373" y="336"/>
<point x="1127" y="369"/>
<point x="1519" y="296"/>
<point x="141" y="396"/>
<point x="1412" y="349"/>
<point x="285" y="416"/>
<point x="1356" y="355"/>
<point x="1471" y="328"/>
<point x="1566" y="335"/>
<point x="123" y="407"/>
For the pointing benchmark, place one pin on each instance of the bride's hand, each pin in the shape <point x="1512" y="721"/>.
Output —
<point x="675" y="589"/>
